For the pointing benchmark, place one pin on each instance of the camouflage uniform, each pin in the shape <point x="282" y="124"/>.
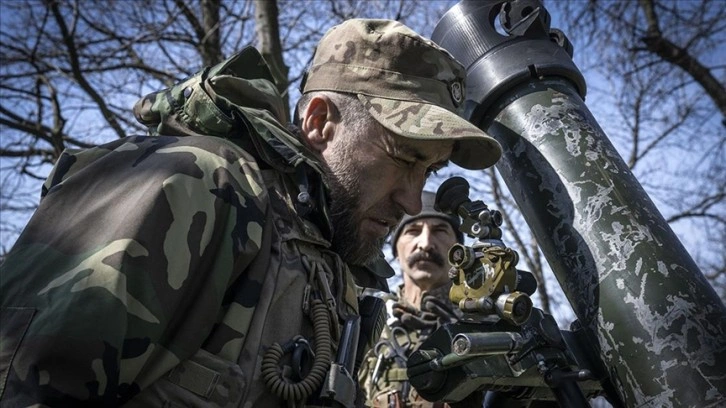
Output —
<point x="157" y="270"/>
<point x="383" y="375"/>
<point x="188" y="250"/>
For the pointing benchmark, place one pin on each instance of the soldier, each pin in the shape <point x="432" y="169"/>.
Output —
<point x="422" y="304"/>
<point x="219" y="262"/>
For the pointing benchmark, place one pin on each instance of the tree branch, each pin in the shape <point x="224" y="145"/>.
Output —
<point x="78" y="74"/>
<point x="670" y="52"/>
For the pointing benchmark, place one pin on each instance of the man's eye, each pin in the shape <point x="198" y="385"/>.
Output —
<point x="444" y="231"/>
<point x="430" y="171"/>
<point x="434" y="169"/>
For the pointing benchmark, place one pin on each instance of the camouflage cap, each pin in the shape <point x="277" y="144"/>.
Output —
<point x="410" y="85"/>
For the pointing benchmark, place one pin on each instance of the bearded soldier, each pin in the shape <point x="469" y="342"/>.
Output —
<point x="219" y="261"/>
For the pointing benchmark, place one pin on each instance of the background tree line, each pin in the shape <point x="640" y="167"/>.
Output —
<point x="72" y="69"/>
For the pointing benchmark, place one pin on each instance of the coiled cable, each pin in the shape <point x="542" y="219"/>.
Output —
<point x="301" y="390"/>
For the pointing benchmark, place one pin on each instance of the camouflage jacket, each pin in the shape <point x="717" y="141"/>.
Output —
<point x="165" y="270"/>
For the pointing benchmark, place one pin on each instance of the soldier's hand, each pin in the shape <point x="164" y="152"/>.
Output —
<point x="443" y="311"/>
<point x="413" y="319"/>
<point x="434" y="312"/>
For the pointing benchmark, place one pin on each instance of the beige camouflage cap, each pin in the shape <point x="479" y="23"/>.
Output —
<point x="409" y="84"/>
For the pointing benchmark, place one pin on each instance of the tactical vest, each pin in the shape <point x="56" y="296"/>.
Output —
<point x="383" y="375"/>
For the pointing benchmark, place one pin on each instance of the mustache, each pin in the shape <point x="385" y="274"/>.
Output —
<point x="427" y="255"/>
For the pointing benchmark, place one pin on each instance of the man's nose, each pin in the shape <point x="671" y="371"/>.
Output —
<point x="408" y="196"/>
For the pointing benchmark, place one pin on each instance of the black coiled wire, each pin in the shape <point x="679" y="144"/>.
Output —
<point x="301" y="390"/>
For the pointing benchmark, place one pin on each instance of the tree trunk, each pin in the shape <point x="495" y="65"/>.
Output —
<point x="270" y="46"/>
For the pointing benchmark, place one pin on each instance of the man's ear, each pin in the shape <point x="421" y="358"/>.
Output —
<point x="319" y="123"/>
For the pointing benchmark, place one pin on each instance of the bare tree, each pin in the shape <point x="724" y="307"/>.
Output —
<point x="270" y="46"/>
<point x="71" y="71"/>
<point x="659" y="93"/>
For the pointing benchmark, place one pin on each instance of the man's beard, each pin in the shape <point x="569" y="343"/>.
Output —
<point x="344" y="189"/>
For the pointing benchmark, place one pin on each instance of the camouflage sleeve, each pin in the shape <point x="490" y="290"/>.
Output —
<point x="121" y="271"/>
